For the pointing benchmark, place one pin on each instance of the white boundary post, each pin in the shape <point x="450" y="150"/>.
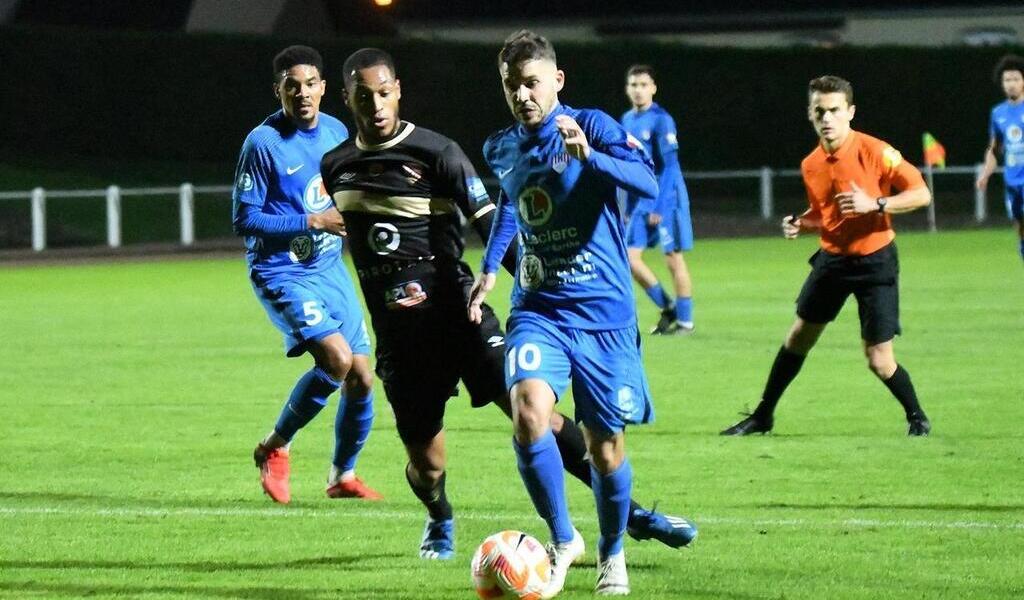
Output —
<point x="38" y="219"/>
<point x="767" y="201"/>
<point x="980" y="207"/>
<point x="929" y="175"/>
<point x="114" y="216"/>
<point x="186" y="200"/>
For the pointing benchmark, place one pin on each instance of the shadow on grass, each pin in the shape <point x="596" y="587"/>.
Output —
<point x="201" y="567"/>
<point x="74" y="590"/>
<point x="938" y="506"/>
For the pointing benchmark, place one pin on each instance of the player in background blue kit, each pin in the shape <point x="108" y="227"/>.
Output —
<point x="1006" y="132"/>
<point x="573" y="315"/>
<point x="292" y="236"/>
<point x="665" y="221"/>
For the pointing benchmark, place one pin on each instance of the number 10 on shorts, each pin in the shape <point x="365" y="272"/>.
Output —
<point x="527" y="357"/>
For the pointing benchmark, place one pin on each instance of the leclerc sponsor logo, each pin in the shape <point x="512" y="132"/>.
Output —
<point x="315" y="195"/>
<point x="535" y="206"/>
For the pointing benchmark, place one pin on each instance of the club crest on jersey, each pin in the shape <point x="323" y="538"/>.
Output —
<point x="559" y="162"/>
<point x="315" y="195"/>
<point x="1014" y="133"/>
<point x="300" y="249"/>
<point x="245" y="182"/>
<point x="383" y="238"/>
<point x="531" y="271"/>
<point x="413" y="173"/>
<point x="405" y="295"/>
<point x="535" y="206"/>
<point x="375" y="169"/>
<point x="646" y="134"/>
<point x="891" y="157"/>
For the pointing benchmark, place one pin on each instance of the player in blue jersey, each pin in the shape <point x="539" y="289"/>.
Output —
<point x="292" y="237"/>
<point x="1006" y="133"/>
<point x="664" y="221"/>
<point x="573" y="314"/>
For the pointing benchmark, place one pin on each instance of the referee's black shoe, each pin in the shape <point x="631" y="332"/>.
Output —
<point x="919" y="426"/>
<point x="749" y="425"/>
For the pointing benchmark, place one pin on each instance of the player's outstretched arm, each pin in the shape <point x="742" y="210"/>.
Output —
<point x="478" y="293"/>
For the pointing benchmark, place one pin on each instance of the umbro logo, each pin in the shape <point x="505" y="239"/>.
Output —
<point x="293" y="170"/>
<point x="346" y="177"/>
<point x="496" y="340"/>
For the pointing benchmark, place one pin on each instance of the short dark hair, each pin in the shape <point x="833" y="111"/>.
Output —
<point x="525" y="45"/>
<point x="830" y="84"/>
<point x="297" y="55"/>
<point x="1009" y="62"/>
<point x="365" y="58"/>
<point x="641" y="70"/>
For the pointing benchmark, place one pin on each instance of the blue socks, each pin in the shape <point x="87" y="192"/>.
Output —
<point x="351" y="428"/>
<point x="308" y="398"/>
<point x="684" y="309"/>
<point x="540" y="466"/>
<point x="612" y="492"/>
<point x="657" y="295"/>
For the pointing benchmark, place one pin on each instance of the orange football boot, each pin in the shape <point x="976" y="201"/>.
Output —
<point x="274" y="472"/>
<point x="353" y="488"/>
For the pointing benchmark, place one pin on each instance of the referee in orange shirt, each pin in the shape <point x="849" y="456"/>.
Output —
<point x="854" y="183"/>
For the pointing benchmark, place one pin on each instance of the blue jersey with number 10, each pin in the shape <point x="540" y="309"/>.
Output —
<point x="279" y="172"/>
<point x="573" y="267"/>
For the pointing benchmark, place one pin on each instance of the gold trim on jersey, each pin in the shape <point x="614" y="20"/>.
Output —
<point x="483" y="211"/>
<point x="404" y="133"/>
<point x="398" y="206"/>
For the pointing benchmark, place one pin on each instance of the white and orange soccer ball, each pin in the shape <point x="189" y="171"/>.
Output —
<point x="510" y="564"/>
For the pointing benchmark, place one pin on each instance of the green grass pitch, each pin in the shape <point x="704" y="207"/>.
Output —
<point x="132" y="395"/>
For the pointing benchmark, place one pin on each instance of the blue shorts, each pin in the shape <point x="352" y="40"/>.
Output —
<point x="1015" y="201"/>
<point x="311" y="307"/>
<point x="604" y="366"/>
<point x="673" y="234"/>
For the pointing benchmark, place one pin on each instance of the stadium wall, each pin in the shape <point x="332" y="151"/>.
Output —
<point x="176" y="96"/>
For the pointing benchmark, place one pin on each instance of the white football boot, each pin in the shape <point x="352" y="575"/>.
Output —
<point x="612" y="579"/>
<point x="561" y="556"/>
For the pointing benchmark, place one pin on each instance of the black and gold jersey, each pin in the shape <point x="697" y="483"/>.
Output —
<point x="401" y="201"/>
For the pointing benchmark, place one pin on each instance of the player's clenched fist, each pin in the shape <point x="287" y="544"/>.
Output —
<point x="572" y="134"/>
<point x="330" y="221"/>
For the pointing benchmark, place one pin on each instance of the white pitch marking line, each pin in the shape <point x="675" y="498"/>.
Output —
<point x="130" y="512"/>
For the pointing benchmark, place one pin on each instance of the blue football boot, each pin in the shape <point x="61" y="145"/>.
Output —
<point x="438" y="540"/>
<point x="675" y="532"/>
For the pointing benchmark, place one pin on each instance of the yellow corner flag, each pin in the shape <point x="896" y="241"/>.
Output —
<point x="934" y="152"/>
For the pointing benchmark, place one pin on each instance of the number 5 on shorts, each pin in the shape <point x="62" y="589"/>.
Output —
<point x="526" y="356"/>
<point x="312" y="313"/>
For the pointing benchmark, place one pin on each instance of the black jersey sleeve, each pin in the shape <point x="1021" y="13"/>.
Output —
<point x="457" y="179"/>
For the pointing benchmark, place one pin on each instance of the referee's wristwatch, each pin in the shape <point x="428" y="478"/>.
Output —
<point x="881" y="201"/>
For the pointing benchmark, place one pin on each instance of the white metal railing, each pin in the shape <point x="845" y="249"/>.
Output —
<point x="186" y="193"/>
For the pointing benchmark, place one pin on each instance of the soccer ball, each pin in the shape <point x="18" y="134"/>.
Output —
<point x="510" y="564"/>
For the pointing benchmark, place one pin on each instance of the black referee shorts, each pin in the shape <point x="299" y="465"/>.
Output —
<point x="421" y="358"/>
<point x="872" y="279"/>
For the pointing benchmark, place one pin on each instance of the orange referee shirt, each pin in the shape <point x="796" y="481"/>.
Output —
<point x="877" y="168"/>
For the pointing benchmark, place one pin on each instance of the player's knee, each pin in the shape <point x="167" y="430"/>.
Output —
<point x="359" y="382"/>
<point x="337" y="362"/>
<point x="883" y="366"/>
<point x="530" y="420"/>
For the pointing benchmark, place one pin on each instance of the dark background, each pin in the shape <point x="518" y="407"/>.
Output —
<point x="171" y="96"/>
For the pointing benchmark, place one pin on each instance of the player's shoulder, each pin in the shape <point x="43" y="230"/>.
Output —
<point x="429" y="140"/>
<point x="499" y="143"/>
<point x="333" y="124"/>
<point x="267" y="134"/>
<point x="344" y="151"/>
<point x="878" y="150"/>
<point x="814" y="157"/>
<point x="592" y="117"/>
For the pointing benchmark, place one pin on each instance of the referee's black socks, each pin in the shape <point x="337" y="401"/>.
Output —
<point x="785" y="368"/>
<point x="901" y="387"/>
